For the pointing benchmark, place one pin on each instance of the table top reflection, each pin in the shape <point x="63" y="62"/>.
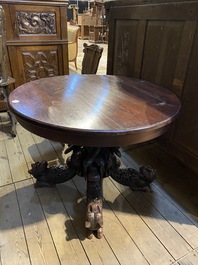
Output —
<point x="94" y="110"/>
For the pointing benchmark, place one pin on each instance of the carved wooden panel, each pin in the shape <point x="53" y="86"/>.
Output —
<point x="125" y="42"/>
<point x="36" y="62"/>
<point x="36" y="23"/>
<point x="162" y="47"/>
<point x="40" y="64"/>
<point x="122" y="54"/>
<point x="186" y="132"/>
<point x="36" y="39"/>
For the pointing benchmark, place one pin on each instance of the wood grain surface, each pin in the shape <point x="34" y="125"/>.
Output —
<point x="94" y="110"/>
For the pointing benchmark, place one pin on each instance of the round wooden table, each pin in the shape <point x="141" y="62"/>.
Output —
<point x="94" y="114"/>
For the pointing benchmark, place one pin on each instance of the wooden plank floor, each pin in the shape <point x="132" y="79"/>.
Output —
<point x="46" y="226"/>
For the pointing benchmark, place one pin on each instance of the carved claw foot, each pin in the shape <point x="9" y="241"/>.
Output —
<point x="42" y="184"/>
<point x="98" y="233"/>
<point x="89" y="233"/>
<point x="50" y="176"/>
<point x="13" y="133"/>
<point x="94" y="219"/>
<point x="137" y="181"/>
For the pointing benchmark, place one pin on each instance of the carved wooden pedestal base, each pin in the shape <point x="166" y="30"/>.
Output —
<point x="93" y="164"/>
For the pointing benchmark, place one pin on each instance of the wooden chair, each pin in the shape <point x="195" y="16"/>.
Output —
<point x="72" y="34"/>
<point x="91" y="59"/>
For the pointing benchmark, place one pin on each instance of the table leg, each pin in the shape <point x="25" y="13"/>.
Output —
<point x="13" y="123"/>
<point x="94" y="216"/>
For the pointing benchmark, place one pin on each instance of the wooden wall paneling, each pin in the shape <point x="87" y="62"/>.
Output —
<point x="125" y="36"/>
<point x="180" y="69"/>
<point x="128" y="46"/>
<point x="60" y="59"/>
<point x="14" y="52"/>
<point x="63" y="17"/>
<point x="156" y="41"/>
<point x="111" y="48"/>
<point x="168" y="67"/>
<point x="183" y="56"/>
<point x="186" y="131"/>
<point x="142" y="24"/>
<point x="12" y="18"/>
<point x="64" y="53"/>
<point x="161" y="47"/>
<point x="184" y="10"/>
<point x="65" y="59"/>
<point x="8" y="22"/>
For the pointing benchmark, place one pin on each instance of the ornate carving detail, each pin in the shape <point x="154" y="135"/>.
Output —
<point x="94" y="164"/>
<point x="94" y="219"/>
<point x="40" y="64"/>
<point x="36" y="23"/>
<point x="48" y="177"/>
<point x="94" y="216"/>
<point x="135" y="180"/>
<point x="122" y="57"/>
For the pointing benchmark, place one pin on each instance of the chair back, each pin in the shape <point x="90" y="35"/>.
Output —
<point x="91" y="59"/>
<point x="72" y="35"/>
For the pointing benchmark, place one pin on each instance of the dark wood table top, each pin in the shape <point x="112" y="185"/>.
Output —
<point x="94" y="110"/>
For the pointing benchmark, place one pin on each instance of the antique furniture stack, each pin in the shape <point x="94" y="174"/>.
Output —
<point x="36" y="38"/>
<point x="83" y="23"/>
<point x="93" y="23"/>
<point x="157" y="40"/>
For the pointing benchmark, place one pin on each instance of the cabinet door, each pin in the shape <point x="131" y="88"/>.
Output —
<point x="33" y="62"/>
<point x="158" y="43"/>
<point x="35" y="22"/>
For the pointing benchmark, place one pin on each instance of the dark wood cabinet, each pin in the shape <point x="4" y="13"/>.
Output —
<point x="36" y="38"/>
<point x="157" y="41"/>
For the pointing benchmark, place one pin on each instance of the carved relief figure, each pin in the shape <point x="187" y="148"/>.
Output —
<point x="123" y="47"/>
<point x="36" y="23"/>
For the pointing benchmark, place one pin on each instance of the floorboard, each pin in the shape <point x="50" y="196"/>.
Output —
<point x="13" y="247"/>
